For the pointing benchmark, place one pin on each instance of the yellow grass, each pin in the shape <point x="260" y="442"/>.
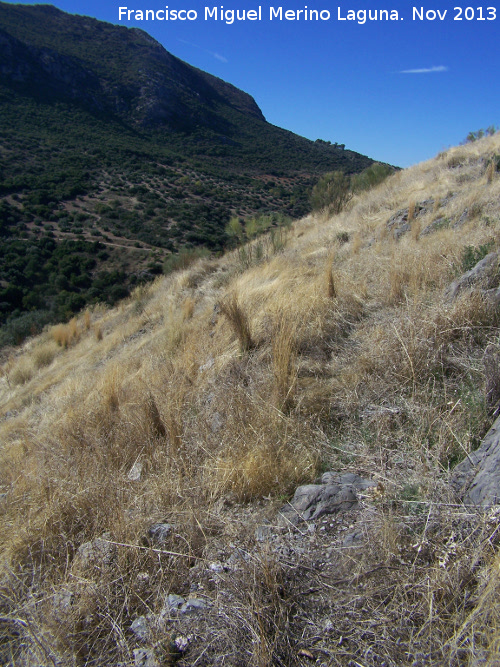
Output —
<point x="232" y="385"/>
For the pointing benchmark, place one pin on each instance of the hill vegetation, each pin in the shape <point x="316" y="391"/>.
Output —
<point x="201" y="401"/>
<point x="117" y="155"/>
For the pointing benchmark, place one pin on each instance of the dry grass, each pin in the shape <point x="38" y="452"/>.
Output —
<point x="331" y="291"/>
<point x="66" y="334"/>
<point x="87" y="319"/>
<point x="299" y="369"/>
<point x="284" y="360"/>
<point x="239" y="322"/>
<point x="44" y="354"/>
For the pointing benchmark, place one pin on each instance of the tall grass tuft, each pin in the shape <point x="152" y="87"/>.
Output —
<point x="66" y="334"/>
<point x="237" y="318"/>
<point x="284" y="355"/>
<point x="331" y="290"/>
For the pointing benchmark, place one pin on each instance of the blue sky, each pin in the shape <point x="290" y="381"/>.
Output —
<point x="398" y="91"/>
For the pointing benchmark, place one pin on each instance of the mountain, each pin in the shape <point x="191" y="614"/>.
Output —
<point x="112" y="70"/>
<point x="115" y="155"/>
<point x="151" y="452"/>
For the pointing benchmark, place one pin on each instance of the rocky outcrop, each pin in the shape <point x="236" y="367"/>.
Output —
<point x="400" y="223"/>
<point x="477" y="479"/>
<point x="47" y="74"/>
<point x="336" y="493"/>
<point x="485" y="275"/>
<point x="48" y="54"/>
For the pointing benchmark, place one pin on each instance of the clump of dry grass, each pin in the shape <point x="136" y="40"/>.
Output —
<point x="21" y="372"/>
<point x="416" y="228"/>
<point x="490" y="172"/>
<point x="247" y="472"/>
<point x="238" y="319"/>
<point x="66" y="334"/>
<point x="331" y="291"/>
<point x="284" y="359"/>
<point x="44" y="355"/>
<point x="411" y="211"/>
<point x="87" y="319"/>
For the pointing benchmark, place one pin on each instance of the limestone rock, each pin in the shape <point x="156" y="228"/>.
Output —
<point x="484" y="275"/>
<point x="159" y="532"/>
<point x="336" y="493"/>
<point x="354" y="539"/>
<point x="399" y="224"/>
<point x="97" y="552"/>
<point x="140" y="628"/>
<point x="174" y="602"/>
<point x="477" y="479"/>
<point x="135" y="472"/>
<point x="145" y="658"/>
<point x="194" y="605"/>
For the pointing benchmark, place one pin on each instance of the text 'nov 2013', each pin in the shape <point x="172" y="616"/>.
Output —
<point x="340" y="14"/>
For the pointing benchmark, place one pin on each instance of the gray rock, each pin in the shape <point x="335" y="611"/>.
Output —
<point x="439" y="223"/>
<point x="263" y="532"/>
<point x="61" y="604"/>
<point x="194" y="605"/>
<point x="140" y="628"/>
<point x="135" y="472"/>
<point x="463" y="219"/>
<point x="216" y="422"/>
<point x="174" y="602"/>
<point x="63" y="600"/>
<point x="145" y="658"/>
<point x="98" y="552"/>
<point x="477" y="479"/>
<point x="484" y="275"/>
<point x="181" y="642"/>
<point x="336" y="493"/>
<point x="159" y="532"/>
<point x="358" y="482"/>
<point x="354" y="539"/>
<point x="217" y="567"/>
<point x="206" y="366"/>
<point x="398" y="224"/>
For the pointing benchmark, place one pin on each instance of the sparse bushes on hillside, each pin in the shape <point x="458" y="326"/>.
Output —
<point x="471" y="255"/>
<point x="371" y="176"/>
<point x="259" y="237"/>
<point x="479" y="134"/>
<point x="335" y="190"/>
<point x="183" y="259"/>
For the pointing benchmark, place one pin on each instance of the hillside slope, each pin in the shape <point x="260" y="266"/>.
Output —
<point x="202" y="401"/>
<point x="115" y="155"/>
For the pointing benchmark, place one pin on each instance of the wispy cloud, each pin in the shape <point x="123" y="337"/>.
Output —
<point x="425" y="70"/>
<point x="215" y="55"/>
<point x="218" y="57"/>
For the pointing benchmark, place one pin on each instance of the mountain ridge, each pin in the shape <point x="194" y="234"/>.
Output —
<point x="153" y="99"/>
<point x="117" y="155"/>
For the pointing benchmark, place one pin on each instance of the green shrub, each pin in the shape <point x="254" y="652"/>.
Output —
<point x="183" y="259"/>
<point x="370" y="177"/>
<point x="471" y="255"/>
<point x="332" y="192"/>
<point x="479" y="134"/>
